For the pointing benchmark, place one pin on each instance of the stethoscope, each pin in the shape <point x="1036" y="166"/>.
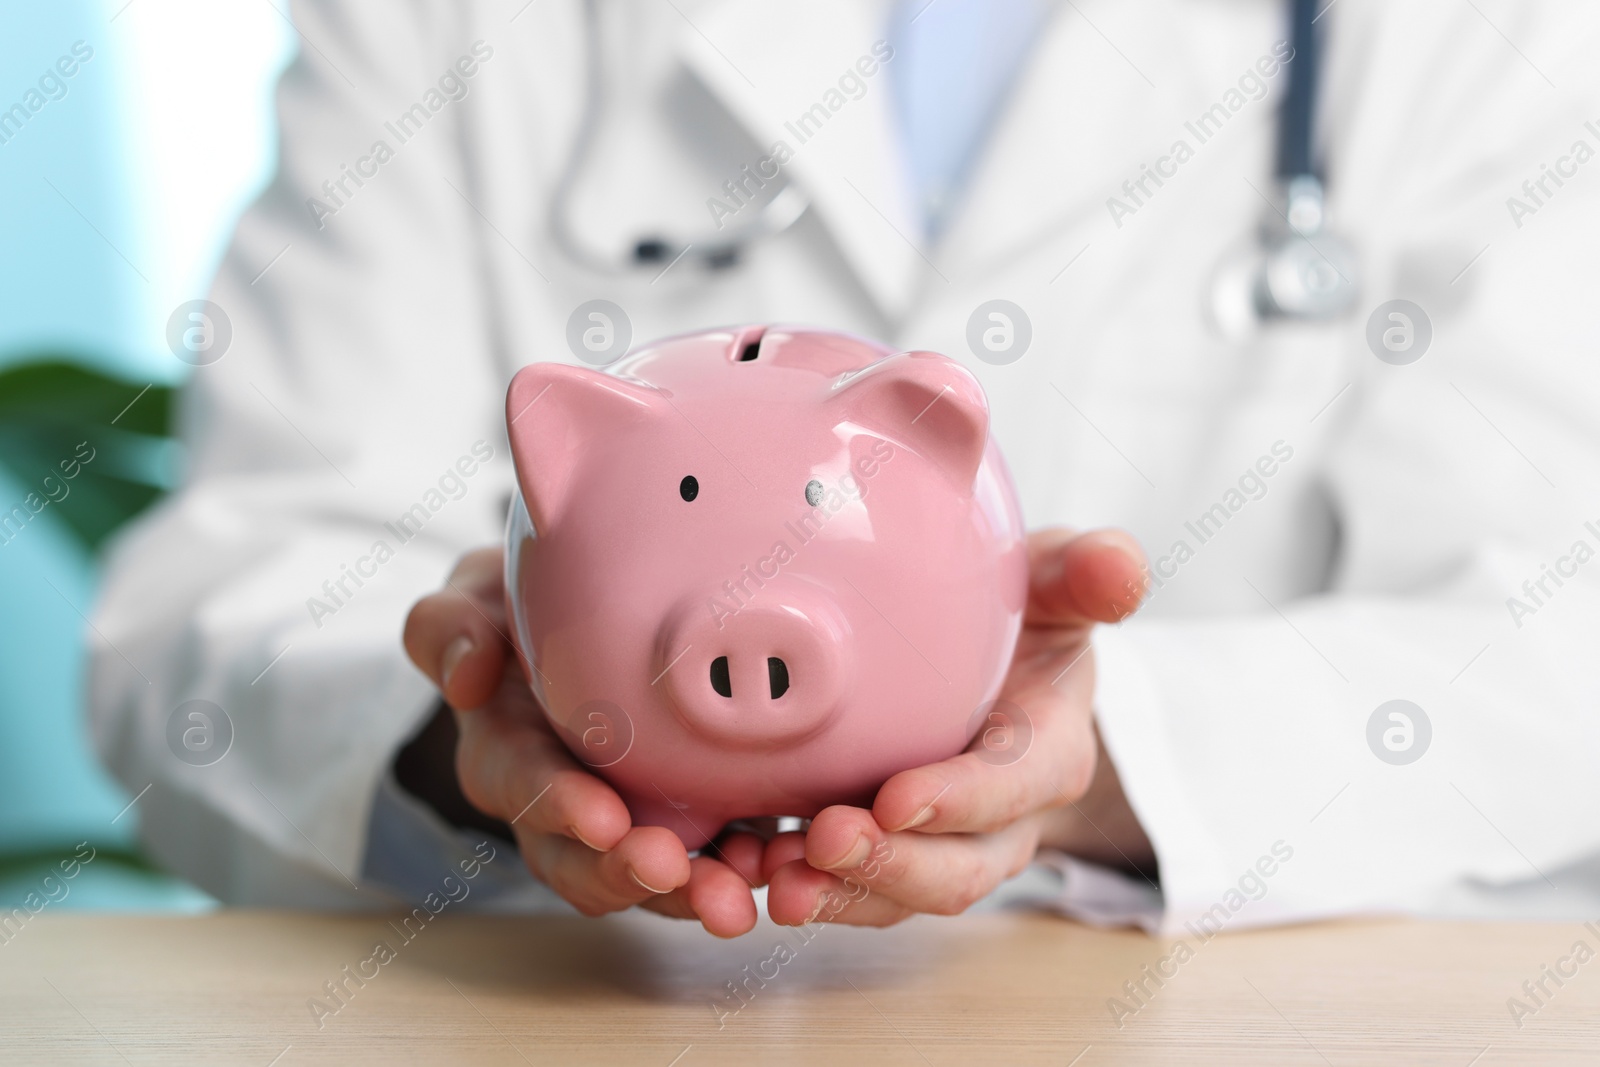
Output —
<point x="1295" y="268"/>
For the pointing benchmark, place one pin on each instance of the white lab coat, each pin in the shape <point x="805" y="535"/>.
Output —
<point x="372" y="352"/>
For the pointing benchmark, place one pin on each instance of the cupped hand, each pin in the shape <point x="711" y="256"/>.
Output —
<point x="573" y="830"/>
<point x="940" y="837"/>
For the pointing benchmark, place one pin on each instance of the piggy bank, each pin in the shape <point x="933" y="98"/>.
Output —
<point x="758" y="571"/>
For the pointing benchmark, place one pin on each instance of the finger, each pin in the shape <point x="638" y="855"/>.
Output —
<point x="801" y="894"/>
<point x="939" y="873"/>
<point x="674" y="905"/>
<point x="648" y="862"/>
<point x="971" y="793"/>
<point x="517" y="770"/>
<point x="720" y="898"/>
<point x="456" y="636"/>
<point x="729" y="906"/>
<point x="456" y="642"/>
<point x="481" y="572"/>
<point x="742" y="852"/>
<point x="1079" y="579"/>
<point x="785" y="848"/>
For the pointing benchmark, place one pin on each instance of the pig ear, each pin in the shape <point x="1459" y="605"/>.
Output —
<point x="926" y="401"/>
<point x="555" y="414"/>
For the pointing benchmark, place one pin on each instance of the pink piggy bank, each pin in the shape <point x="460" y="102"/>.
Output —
<point x="758" y="571"/>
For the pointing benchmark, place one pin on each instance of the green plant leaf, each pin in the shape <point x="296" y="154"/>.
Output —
<point x="53" y="412"/>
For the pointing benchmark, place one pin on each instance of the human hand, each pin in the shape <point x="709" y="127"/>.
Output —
<point x="940" y="837"/>
<point x="573" y="830"/>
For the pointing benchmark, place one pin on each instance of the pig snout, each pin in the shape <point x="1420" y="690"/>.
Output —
<point x="770" y="672"/>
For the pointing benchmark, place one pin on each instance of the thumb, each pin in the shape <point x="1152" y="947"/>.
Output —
<point x="1076" y="580"/>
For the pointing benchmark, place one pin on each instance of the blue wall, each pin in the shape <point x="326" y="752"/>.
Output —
<point x="120" y="193"/>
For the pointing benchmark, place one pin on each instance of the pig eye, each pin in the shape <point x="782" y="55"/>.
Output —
<point x="689" y="488"/>
<point x="813" y="492"/>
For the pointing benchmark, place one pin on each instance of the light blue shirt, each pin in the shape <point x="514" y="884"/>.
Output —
<point x="955" y="64"/>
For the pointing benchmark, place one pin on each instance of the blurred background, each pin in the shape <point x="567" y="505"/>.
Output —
<point x="121" y="190"/>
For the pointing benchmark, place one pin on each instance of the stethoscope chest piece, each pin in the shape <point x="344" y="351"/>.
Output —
<point x="1308" y="272"/>
<point x="1293" y="269"/>
<point x="1296" y="268"/>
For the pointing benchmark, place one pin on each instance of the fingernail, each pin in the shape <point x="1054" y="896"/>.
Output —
<point x="573" y="830"/>
<point x="922" y="818"/>
<point x="642" y="884"/>
<point x="454" y="653"/>
<point x="856" y="856"/>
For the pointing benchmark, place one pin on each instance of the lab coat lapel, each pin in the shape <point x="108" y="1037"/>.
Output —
<point x="773" y="65"/>
<point x="1076" y="124"/>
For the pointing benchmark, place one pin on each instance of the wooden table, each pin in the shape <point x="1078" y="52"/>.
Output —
<point x="236" y="987"/>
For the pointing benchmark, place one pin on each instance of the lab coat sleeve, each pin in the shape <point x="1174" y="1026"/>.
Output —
<point x="342" y="453"/>
<point x="1468" y="575"/>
